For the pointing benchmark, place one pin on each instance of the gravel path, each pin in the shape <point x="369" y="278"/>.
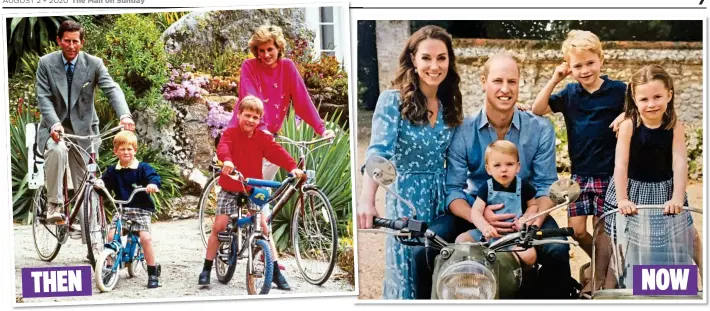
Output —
<point x="180" y="252"/>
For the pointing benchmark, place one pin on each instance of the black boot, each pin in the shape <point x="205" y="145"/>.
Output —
<point x="153" y="274"/>
<point x="279" y="278"/>
<point x="205" y="275"/>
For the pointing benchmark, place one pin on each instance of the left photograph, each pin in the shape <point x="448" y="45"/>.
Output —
<point x="170" y="155"/>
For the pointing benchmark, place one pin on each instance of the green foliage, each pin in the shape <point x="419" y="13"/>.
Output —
<point x="20" y="115"/>
<point x="332" y="166"/>
<point x="319" y="73"/>
<point x="562" y="154"/>
<point x="694" y="146"/>
<point x="136" y="59"/>
<point x="165" y="115"/>
<point x="31" y="34"/>
<point x="165" y="19"/>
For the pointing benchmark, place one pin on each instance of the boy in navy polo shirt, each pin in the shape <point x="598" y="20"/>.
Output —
<point x="592" y="108"/>
<point x="122" y="179"/>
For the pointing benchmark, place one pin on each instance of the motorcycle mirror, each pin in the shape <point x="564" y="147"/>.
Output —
<point x="563" y="190"/>
<point x="380" y="169"/>
<point x="383" y="172"/>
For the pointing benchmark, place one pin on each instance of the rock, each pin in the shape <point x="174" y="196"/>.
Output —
<point x="185" y="207"/>
<point x="202" y="33"/>
<point x="226" y="101"/>
<point x="197" y="177"/>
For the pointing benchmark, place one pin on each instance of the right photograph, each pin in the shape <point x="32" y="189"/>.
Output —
<point x="530" y="159"/>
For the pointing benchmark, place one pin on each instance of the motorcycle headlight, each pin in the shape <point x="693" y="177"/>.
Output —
<point x="466" y="280"/>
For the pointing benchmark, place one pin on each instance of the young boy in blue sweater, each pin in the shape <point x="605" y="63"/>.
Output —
<point x="122" y="179"/>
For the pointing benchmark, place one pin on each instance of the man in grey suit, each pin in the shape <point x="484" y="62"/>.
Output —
<point x="66" y="81"/>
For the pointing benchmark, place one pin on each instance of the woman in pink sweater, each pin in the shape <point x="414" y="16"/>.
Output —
<point x="276" y="81"/>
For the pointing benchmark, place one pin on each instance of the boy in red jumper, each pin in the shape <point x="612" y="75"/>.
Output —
<point x="243" y="149"/>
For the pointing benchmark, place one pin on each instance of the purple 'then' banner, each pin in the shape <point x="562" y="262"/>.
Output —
<point x="56" y="282"/>
<point x="665" y="280"/>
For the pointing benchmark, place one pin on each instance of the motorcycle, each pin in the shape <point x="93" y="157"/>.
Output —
<point x="479" y="270"/>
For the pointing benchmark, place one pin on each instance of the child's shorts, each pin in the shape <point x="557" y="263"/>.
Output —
<point x="591" y="197"/>
<point x="139" y="217"/>
<point x="228" y="203"/>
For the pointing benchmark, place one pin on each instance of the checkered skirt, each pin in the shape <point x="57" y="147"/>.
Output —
<point x="139" y="217"/>
<point x="650" y="228"/>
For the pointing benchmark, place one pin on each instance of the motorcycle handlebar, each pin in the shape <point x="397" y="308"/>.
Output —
<point x="549" y="233"/>
<point x="394" y="224"/>
<point x="400" y="224"/>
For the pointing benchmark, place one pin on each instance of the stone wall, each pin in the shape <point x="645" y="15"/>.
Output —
<point x="538" y="60"/>
<point x="391" y="38"/>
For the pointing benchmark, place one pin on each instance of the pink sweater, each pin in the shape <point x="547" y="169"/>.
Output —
<point x="276" y="87"/>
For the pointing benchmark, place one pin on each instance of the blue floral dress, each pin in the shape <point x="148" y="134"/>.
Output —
<point x="418" y="153"/>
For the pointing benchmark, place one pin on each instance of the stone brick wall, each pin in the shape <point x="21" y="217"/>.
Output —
<point x="538" y="60"/>
<point x="391" y="38"/>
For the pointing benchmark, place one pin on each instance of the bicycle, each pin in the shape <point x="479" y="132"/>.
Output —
<point x="116" y="256"/>
<point x="315" y="260"/>
<point x="244" y="233"/>
<point x="86" y="203"/>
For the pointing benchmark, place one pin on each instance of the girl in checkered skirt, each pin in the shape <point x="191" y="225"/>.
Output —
<point x="651" y="165"/>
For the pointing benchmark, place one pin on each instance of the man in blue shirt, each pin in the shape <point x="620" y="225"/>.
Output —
<point x="535" y="138"/>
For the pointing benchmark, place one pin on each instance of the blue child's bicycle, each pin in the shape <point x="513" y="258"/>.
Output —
<point x="116" y="256"/>
<point x="244" y="238"/>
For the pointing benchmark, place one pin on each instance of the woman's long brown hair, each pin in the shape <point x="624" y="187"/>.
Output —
<point x="414" y="107"/>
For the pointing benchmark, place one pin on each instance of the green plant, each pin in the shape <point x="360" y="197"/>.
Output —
<point x="332" y="166"/>
<point x="20" y="115"/>
<point x="165" y="115"/>
<point x="165" y="19"/>
<point x="136" y="58"/>
<point x="562" y="153"/>
<point x="694" y="146"/>
<point x="32" y="33"/>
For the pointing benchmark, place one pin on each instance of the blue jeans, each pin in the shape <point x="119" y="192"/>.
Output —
<point x="553" y="279"/>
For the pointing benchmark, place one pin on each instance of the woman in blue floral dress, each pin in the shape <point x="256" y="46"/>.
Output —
<point x="412" y="126"/>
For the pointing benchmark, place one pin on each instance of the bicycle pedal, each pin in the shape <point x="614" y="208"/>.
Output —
<point x="76" y="235"/>
<point x="224" y="237"/>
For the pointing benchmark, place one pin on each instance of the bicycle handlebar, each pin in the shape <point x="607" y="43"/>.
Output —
<point x="89" y="137"/>
<point x="130" y="198"/>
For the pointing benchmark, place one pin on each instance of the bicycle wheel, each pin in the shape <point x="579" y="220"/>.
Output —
<point x="46" y="236"/>
<point x="95" y="228"/>
<point x="137" y="267"/>
<point x="208" y="206"/>
<point x="224" y="270"/>
<point x="105" y="276"/>
<point x="262" y="274"/>
<point x="314" y="235"/>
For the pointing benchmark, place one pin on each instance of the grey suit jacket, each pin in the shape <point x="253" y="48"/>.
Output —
<point x="51" y="84"/>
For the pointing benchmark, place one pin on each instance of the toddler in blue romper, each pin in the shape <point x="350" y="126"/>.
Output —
<point x="516" y="195"/>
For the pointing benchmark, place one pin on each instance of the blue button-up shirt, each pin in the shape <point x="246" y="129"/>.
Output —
<point x="466" y="169"/>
